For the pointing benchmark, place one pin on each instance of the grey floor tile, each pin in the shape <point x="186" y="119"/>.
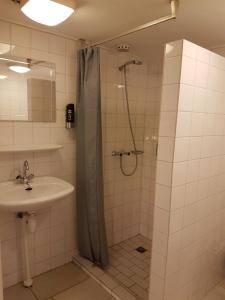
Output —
<point x="55" y="281"/>
<point x="87" y="290"/>
<point x="140" y="292"/>
<point x="222" y="284"/>
<point x="18" y="292"/>
<point x="131" y="266"/>
<point x="218" y="293"/>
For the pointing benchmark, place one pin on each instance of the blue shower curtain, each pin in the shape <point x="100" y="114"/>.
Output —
<point x="92" y="243"/>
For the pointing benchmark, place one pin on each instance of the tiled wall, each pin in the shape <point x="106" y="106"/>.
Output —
<point x="189" y="217"/>
<point x="122" y="194"/>
<point x="54" y="242"/>
<point x="152" y="107"/>
<point x="128" y="199"/>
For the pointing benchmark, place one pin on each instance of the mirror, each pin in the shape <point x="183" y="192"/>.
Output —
<point x="27" y="90"/>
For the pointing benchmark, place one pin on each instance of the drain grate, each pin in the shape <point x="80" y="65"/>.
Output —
<point x="141" y="249"/>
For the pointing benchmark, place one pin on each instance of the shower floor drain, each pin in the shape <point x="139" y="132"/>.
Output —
<point x="141" y="250"/>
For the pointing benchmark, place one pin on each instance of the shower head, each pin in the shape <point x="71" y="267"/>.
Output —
<point x="131" y="62"/>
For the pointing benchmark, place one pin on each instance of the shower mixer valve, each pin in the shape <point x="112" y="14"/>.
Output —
<point x="128" y="153"/>
<point x="120" y="153"/>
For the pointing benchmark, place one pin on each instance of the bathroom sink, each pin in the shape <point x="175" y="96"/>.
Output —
<point x="45" y="191"/>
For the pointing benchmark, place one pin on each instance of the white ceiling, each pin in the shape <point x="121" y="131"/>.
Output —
<point x="201" y="21"/>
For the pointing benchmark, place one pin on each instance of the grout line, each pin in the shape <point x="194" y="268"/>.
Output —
<point x="33" y="293"/>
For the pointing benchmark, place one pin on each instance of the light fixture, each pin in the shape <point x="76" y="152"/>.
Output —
<point x="48" y="12"/>
<point x="19" y="69"/>
<point x="2" y="76"/>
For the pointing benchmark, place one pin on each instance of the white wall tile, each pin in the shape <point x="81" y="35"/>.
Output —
<point x="188" y="70"/>
<point x="166" y="149"/>
<point x="4" y="32"/>
<point x="39" y="40"/>
<point x="201" y="76"/>
<point x="172" y="70"/>
<point x="190" y="49"/>
<point x="186" y="97"/>
<point x="181" y="149"/>
<point x="164" y="173"/>
<point x="34" y="44"/>
<point x="161" y="221"/>
<point x="57" y="45"/>
<point x="174" y="49"/>
<point x="170" y="96"/>
<point x="197" y="172"/>
<point x="20" y="36"/>
<point x="184" y="123"/>
<point x="167" y="124"/>
<point x="162" y="197"/>
<point x="178" y="197"/>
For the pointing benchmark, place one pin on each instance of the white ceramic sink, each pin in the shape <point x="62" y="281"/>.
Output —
<point x="45" y="191"/>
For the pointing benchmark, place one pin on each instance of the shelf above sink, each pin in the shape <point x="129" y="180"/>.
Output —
<point x="29" y="148"/>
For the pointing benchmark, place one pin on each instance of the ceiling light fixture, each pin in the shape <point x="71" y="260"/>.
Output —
<point x="19" y="69"/>
<point x="48" y="12"/>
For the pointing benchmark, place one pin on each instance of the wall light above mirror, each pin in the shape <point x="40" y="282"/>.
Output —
<point x="27" y="90"/>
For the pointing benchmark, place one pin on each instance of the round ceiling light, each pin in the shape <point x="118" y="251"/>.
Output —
<point x="48" y="12"/>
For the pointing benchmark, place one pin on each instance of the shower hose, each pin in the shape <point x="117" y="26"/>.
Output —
<point x="135" y="152"/>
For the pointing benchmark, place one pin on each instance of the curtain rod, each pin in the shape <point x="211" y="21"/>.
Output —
<point x="173" y="4"/>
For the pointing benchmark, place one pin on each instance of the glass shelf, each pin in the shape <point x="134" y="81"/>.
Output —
<point x="29" y="148"/>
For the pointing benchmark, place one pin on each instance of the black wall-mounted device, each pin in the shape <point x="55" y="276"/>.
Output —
<point x="70" y="116"/>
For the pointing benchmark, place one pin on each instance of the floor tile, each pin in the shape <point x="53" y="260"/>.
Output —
<point x="222" y="284"/>
<point x="55" y="281"/>
<point x="218" y="293"/>
<point x="87" y="290"/>
<point x="18" y="292"/>
<point x="128" y="267"/>
<point x="140" y="292"/>
<point x="123" y="293"/>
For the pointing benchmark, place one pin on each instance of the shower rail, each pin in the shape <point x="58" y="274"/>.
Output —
<point x="173" y="4"/>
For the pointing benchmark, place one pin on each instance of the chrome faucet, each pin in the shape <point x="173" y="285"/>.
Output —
<point x="25" y="178"/>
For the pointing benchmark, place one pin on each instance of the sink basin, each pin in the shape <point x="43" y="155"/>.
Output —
<point x="45" y="191"/>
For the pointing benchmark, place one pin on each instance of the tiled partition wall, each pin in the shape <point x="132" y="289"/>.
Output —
<point x="54" y="242"/>
<point x="128" y="199"/>
<point x="189" y="220"/>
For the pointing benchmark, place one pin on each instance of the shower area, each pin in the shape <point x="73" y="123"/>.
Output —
<point x="163" y="138"/>
<point x="130" y="109"/>
<point x="130" y="104"/>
